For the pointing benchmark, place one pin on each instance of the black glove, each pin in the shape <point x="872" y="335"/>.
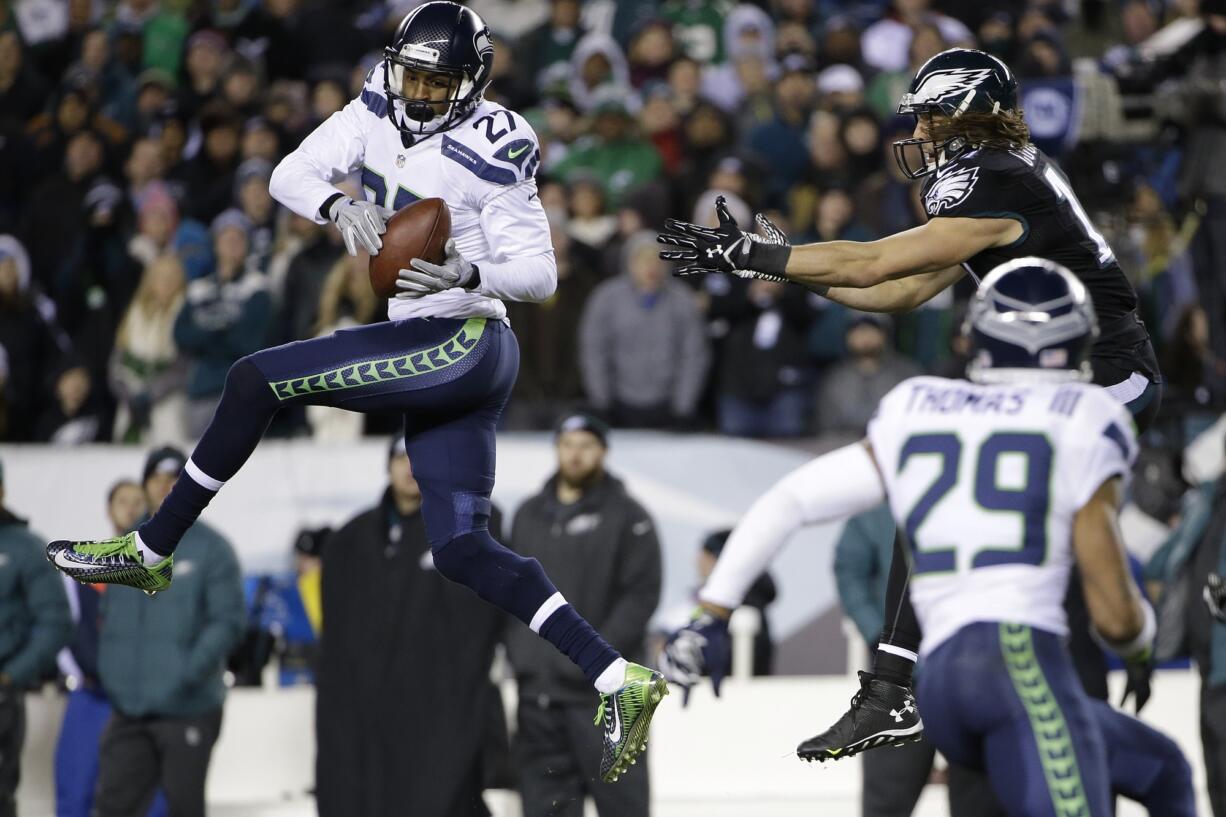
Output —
<point x="726" y="248"/>
<point x="1140" y="672"/>
<point x="700" y="648"/>
<point x="1214" y="595"/>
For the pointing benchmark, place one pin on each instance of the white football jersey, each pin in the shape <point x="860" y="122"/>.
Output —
<point x="483" y="168"/>
<point x="985" y="480"/>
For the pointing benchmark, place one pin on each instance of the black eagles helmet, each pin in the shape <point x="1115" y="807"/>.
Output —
<point x="952" y="83"/>
<point x="453" y="45"/>
<point x="1030" y="320"/>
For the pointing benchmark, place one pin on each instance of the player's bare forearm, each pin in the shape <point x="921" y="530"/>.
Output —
<point x="932" y="247"/>
<point x="1112" y="598"/>
<point x="898" y="295"/>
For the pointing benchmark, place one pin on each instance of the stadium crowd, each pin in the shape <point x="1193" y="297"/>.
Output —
<point x="141" y="254"/>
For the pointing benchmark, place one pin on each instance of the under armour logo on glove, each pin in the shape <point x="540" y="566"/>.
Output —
<point x="726" y="248"/>
<point x="1214" y="595"/>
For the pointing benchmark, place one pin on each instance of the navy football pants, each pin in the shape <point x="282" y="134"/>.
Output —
<point x="1006" y="698"/>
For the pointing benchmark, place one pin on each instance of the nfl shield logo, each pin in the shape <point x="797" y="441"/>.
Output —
<point x="400" y="160"/>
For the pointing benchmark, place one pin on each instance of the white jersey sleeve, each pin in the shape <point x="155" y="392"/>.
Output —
<point x="1100" y="442"/>
<point x="304" y="179"/>
<point x="490" y="160"/>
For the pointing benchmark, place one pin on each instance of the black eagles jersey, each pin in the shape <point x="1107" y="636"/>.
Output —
<point x="1024" y="185"/>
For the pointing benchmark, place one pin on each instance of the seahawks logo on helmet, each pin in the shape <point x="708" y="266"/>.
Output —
<point x="950" y="189"/>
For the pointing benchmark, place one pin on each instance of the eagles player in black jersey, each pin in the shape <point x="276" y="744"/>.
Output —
<point x="991" y="196"/>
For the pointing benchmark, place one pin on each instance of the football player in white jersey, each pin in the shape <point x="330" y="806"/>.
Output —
<point x="1000" y="484"/>
<point x="446" y="359"/>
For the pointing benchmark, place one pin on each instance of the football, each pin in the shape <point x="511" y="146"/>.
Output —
<point x="419" y="230"/>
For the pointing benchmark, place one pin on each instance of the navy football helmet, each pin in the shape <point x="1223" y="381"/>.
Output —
<point x="952" y="83"/>
<point x="1031" y="320"/>
<point x="450" y="43"/>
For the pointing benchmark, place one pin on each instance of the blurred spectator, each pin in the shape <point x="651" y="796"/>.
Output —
<point x="319" y="250"/>
<point x="144" y="166"/>
<point x="74" y="415"/>
<point x="224" y="317"/>
<point x="1195" y="377"/>
<point x="552" y="43"/>
<point x="240" y="87"/>
<point x="887" y="201"/>
<point x="252" y="197"/>
<point x="613" y="152"/>
<point x="761" y="594"/>
<point x="161" y="663"/>
<point x="387" y="613"/>
<point x="765" y="388"/>
<point x="23" y="92"/>
<point x="147" y="373"/>
<point x="642" y="345"/>
<point x="1202" y="175"/>
<point x="1182" y="567"/>
<point x="54" y="219"/>
<point x="260" y="140"/>
<point x="685" y="80"/>
<point x="887" y="88"/>
<point x="209" y="177"/>
<point x="1139" y="20"/>
<point x="886" y="43"/>
<point x="851" y="390"/>
<point x="840" y="88"/>
<point x="601" y="548"/>
<point x="549" y="381"/>
<point x="698" y="26"/>
<point x="780" y="144"/>
<point x="661" y="124"/>
<point x="203" y="61"/>
<point x="28" y="336"/>
<point x="650" y="53"/>
<point x="590" y="223"/>
<point x="705" y="133"/>
<point x="597" y="61"/>
<point x="88" y="710"/>
<point x="36" y="625"/>
<point x="1043" y="55"/>
<point x="749" y="41"/>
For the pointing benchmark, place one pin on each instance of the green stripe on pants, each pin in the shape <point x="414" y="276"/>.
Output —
<point x="418" y="362"/>
<point x="1055" y="744"/>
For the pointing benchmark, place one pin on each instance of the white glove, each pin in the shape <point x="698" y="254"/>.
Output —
<point x="425" y="278"/>
<point x="361" y="223"/>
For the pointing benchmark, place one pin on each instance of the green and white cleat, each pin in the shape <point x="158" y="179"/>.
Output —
<point x="626" y="715"/>
<point x="110" y="561"/>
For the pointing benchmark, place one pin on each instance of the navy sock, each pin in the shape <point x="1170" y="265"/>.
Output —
<point x="519" y="585"/>
<point x="179" y="511"/>
<point x="247" y="407"/>
<point x="579" y="641"/>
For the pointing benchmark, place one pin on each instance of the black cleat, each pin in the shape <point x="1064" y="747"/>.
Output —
<point x="881" y="714"/>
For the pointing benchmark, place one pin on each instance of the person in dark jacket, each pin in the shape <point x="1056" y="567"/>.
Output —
<point x="161" y="662"/>
<point x="600" y="546"/>
<point x="34" y="624"/>
<point x="404" y="694"/>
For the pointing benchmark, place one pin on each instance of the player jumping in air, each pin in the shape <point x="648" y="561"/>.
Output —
<point x="1001" y="484"/>
<point x="991" y="197"/>
<point x="447" y="358"/>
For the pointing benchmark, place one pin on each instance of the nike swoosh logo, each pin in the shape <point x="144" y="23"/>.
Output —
<point x="62" y="559"/>
<point x="511" y="154"/>
<point x="615" y="734"/>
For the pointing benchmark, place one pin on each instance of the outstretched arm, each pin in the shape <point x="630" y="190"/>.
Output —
<point x="833" y="486"/>
<point x="897" y="295"/>
<point x="932" y="247"/>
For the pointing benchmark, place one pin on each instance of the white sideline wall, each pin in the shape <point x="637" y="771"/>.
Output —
<point x="731" y="757"/>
